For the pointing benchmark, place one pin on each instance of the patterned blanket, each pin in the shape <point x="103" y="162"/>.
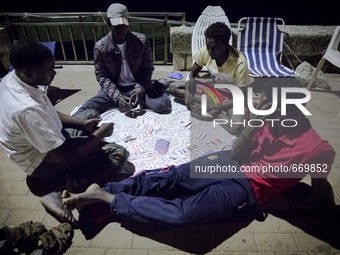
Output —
<point x="156" y="140"/>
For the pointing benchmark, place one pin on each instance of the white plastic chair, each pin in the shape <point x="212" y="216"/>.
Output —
<point x="332" y="55"/>
<point x="210" y="15"/>
<point x="261" y="39"/>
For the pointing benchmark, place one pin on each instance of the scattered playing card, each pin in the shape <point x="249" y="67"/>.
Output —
<point x="173" y="157"/>
<point x="215" y="143"/>
<point x="181" y="154"/>
<point x="137" y="147"/>
<point x="183" y="123"/>
<point x="155" y="125"/>
<point x="197" y="134"/>
<point x="148" y="128"/>
<point x="177" y="76"/>
<point x="145" y="128"/>
<point x="127" y="137"/>
<point x="148" y="125"/>
<point x="193" y="147"/>
<point x="185" y="151"/>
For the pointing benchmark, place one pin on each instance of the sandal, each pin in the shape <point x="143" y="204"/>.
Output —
<point x="57" y="240"/>
<point x="22" y="238"/>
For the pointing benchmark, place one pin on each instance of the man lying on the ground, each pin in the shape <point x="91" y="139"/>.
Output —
<point x="171" y="196"/>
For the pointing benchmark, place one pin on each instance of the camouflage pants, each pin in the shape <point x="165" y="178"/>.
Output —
<point x="115" y="152"/>
<point x="108" y="164"/>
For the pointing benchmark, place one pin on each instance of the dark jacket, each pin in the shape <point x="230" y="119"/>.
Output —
<point x="107" y="62"/>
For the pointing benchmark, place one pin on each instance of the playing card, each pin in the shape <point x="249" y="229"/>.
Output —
<point x="177" y="76"/>
<point x="155" y="125"/>
<point x="137" y="148"/>
<point x="215" y="143"/>
<point x="197" y="134"/>
<point x="193" y="147"/>
<point x="183" y="122"/>
<point x="184" y="151"/>
<point x="127" y="137"/>
<point x="148" y="129"/>
<point x="173" y="157"/>
<point x="145" y="128"/>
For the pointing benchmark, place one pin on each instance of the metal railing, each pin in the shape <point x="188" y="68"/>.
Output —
<point x="76" y="33"/>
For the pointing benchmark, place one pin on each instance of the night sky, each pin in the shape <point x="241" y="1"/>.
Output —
<point x="293" y="12"/>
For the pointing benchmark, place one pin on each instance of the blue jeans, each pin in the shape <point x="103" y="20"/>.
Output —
<point x="170" y="196"/>
<point x="102" y="103"/>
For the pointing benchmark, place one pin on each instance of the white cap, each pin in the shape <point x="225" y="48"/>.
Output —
<point x="118" y="14"/>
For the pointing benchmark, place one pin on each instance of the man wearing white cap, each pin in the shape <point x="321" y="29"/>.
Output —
<point x="123" y="67"/>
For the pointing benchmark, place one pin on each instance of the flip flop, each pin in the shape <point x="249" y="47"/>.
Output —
<point x="22" y="238"/>
<point x="57" y="240"/>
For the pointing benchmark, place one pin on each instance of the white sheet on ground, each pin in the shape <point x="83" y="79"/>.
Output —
<point x="188" y="137"/>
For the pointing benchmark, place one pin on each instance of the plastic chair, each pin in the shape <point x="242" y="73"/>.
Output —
<point x="261" y="41"/>
<point x="332" y="55"/>
<point x="210" y="15"/>
<point x="50" y="45"/>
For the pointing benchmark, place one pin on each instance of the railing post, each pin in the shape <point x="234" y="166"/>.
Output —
<point x="51" y="26"/>
<point x="166" y="32"/>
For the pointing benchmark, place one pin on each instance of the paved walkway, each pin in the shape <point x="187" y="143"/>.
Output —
<point x="292" y="227"/>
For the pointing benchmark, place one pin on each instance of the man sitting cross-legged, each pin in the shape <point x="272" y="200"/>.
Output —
<point x="34" y="134"/>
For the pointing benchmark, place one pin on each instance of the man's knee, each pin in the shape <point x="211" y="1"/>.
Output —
<point x="116" y="153"/>
<point x="87" y="114"/>
<point x="160" y="104"/>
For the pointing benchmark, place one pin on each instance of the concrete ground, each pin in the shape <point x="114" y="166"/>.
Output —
<point x="292" y="225"/>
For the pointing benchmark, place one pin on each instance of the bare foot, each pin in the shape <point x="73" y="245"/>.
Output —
<point x="53" y="205"/>
<point x="64" y="195"/>
<point x="91" y="195"/>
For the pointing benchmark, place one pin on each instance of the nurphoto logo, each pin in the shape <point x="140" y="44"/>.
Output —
<point x="239" y="104"/>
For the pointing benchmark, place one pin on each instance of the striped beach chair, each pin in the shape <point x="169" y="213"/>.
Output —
<point x="261" y="39"/>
